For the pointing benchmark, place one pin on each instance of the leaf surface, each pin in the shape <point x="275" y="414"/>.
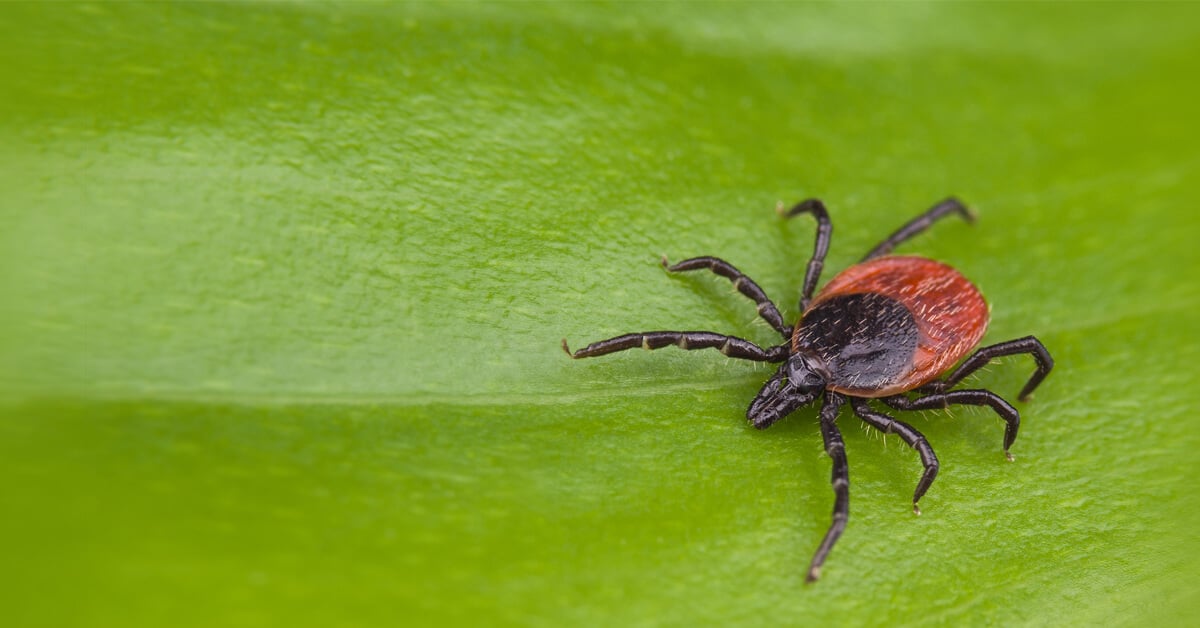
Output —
<point x="285" y="286"/>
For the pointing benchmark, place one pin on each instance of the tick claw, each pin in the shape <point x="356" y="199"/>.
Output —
<point x="814" y="574"/>
<point x="916" y="509"/>
<point x="1009" y="456"/>
<point x="566" y="349"/>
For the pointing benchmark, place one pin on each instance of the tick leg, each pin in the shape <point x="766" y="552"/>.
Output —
<point x="1012" y="418"/>
<point x="742" y="283"/>
<point x="915" y="439"/>
<point x="1028" y="344"/>
<point x="836" y="448"/>
<point x="920" y="223"/>
<point x="824" y="231"/>
<point x="690" y="340"/>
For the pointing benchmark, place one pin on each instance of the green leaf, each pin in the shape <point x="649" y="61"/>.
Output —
<point x="284" y="289"/>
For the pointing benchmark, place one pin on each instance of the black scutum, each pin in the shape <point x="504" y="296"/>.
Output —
<point x="867" y="340"/>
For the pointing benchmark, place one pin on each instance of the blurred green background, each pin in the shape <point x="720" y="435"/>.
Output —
<point x="284" y="285"/>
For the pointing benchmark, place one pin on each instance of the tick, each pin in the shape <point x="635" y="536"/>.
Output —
<point x="887" y="329"/>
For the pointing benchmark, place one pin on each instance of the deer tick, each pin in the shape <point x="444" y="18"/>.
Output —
<point x="888" y="329"/>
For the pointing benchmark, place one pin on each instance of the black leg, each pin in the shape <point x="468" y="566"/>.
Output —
<point x="836" y="448"/>
<point x="915" y="439"/>
<point x="741" y="283"/>
<point x="1012" y="418"/>
<point x="824" y="230"/>
<point x="690" y="340"/>
<point x="1028" y="344"/>
<point x="919" y="224"/>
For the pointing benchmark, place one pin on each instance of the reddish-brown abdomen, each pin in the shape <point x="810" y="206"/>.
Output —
<point x="950" y="313"/>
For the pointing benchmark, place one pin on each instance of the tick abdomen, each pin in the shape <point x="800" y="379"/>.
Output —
<point x="892" y="324"/>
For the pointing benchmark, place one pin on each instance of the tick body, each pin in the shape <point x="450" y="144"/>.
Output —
<point x="892" y="324"/>
<point x="886" y="330"/>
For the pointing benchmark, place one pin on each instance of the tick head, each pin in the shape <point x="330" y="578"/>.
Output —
<point x="797" y="382"/>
